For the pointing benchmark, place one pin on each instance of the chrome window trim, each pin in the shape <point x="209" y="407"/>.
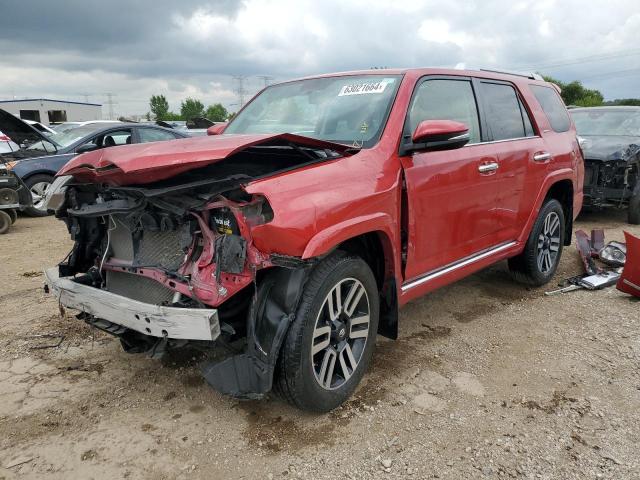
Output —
<point x="501" y="141"/>
<point x="433" y="274"/>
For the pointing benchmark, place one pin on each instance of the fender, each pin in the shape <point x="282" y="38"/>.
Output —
<point x="327" y="239"/>
<point x="554" y="177"/>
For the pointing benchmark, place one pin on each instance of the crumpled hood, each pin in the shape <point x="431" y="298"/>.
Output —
<point x="608" y="148"/>
<point x="151" y="162"/>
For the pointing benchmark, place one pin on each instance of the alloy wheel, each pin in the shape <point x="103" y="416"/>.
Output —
<point x="340" y="334"/>
<point x="548" y="243"/>
<point x="38" y="192"/>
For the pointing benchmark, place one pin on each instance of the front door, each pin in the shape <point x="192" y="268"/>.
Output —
<point x="451" y="195"/>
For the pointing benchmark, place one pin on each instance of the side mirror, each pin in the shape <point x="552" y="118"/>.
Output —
<point x="216" y="129"/>
<point x="87" y="147"/>
<point x="439" y="135"/>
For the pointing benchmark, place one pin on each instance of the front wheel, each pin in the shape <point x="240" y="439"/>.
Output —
<point x="537" y="264"/>
<point x="330" y="343"/>
<point x="38" y="186"/>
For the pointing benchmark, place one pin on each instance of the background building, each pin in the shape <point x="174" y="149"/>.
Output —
<point x="48" y="111"/>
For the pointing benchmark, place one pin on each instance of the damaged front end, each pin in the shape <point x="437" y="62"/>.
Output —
<point x="612" y="173"/>
<point x="172" y="263"/>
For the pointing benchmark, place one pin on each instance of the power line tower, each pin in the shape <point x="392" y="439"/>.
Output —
<point x="240" y="90"/>
<point x="267" y="79"/>
<point x="110" y="103"/>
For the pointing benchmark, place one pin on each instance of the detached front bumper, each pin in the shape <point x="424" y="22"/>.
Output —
<point x="148" y="319"/>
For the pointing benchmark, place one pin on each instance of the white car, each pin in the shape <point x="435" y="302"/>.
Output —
<point x="6" y="145"/>
<point x="66" y="126"/>
<point x="40" y="127"/>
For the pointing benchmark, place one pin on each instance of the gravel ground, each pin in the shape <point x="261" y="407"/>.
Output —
<point x="488" y="380"/>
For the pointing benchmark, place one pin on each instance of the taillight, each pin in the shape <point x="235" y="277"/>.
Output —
<point x="4" y="138"/>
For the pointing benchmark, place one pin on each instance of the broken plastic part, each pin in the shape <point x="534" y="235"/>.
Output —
<point x="630" y="279"/>
<point x="614" y="254"/>
<point x="250" y="375"/>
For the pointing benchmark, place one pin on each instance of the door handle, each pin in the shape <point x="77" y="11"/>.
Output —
<point x="488" y="167"/>
<point x="542" y="157"/>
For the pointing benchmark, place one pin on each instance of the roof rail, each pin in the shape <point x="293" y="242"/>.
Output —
<point x="531" y="76"/>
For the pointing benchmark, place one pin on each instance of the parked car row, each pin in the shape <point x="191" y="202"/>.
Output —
<point x="40" y="156"/>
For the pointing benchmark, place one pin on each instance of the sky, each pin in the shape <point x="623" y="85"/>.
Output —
<point x="83" y="49"/>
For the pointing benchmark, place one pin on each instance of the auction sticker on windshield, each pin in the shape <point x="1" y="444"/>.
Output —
<point x="363" y="88"/>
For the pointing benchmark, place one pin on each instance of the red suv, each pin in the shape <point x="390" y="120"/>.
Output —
<point x="325" y="205"/>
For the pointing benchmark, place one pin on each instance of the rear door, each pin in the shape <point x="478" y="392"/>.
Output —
<point x="451" y="195"/>
<point x="513" y="140"/>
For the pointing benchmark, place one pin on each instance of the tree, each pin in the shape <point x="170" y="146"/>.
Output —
<point x="191" y="108"/>
<point x="159" y="107"/>
<point x="574" y="93"/>
<point x="624" y="101"/>
<point x="216" y="113"/>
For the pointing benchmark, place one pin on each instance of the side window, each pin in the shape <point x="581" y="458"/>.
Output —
<point x="153" y="135"/>
<point x="553" y="107"/>
<point x="503" y="111"/>
<point x="528" y="126"/>
<point x="445" y="100"/>
<point x="114" y="138"/>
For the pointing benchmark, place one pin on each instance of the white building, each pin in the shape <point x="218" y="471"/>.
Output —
<point x="48" y="111"/>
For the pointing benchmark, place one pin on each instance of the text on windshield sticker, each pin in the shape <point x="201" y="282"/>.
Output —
<point x="362" y="88"/>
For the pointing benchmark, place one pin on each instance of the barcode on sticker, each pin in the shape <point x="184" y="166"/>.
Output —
<point x="362" y="88"/>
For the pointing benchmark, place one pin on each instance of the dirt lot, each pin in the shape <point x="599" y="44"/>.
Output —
<point x="488" y="380"/>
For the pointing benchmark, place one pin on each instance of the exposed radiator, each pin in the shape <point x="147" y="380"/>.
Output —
<point x="138" y="288"/>
<point x="146" y="248"/>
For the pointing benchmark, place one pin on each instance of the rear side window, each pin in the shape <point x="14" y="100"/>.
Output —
<point x="504" y="115"/>
<point x="446" y="100"/>
<point x="553" y="107"/>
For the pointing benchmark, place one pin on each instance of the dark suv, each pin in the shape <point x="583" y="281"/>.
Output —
<point x="326" y="204"/>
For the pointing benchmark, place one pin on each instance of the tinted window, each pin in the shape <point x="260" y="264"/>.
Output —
<point x="153" y="135"/>
<point x="503" y="115"/>
<point x="553" y="107"/>
<point x="528" y="127"/>
<point x="446" y="100"/>
<point x="120" y="137"/>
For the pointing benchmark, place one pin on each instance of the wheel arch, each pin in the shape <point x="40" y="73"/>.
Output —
<point x="371" y="239"/>
<point x="562" y="190"/>
<point x="560" y="185"/>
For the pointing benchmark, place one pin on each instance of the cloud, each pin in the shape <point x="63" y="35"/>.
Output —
<point x="193" y="47"/>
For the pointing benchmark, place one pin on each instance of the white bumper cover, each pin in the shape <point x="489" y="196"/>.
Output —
<point x="153" y="320"/>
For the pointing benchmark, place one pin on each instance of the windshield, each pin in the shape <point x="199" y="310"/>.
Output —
<point x="67" y="137"/>
<point x="607" y="122"/>
<point x="350" y="109"/>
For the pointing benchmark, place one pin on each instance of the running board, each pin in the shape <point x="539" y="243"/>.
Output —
<point x="432" y="275"/>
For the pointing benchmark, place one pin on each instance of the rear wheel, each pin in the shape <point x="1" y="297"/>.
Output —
<point x="5" y="222"/>
<point x="537" y="264"/>
<point x="330" y="343"/>
<point x="38" y="186"/>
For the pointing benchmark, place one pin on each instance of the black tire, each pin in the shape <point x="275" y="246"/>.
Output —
<point x="13" y="214"/>
<point x="34" y="211"/>
<point x="5" y="222"/>
<point x="296" y="372"/>
<point x="633" y="215"/>
<point x="526" y="268"/>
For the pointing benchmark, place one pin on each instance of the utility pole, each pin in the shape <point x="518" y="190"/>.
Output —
<point x="86" y="97"/>
<point x="267" y="79"/>
<point x="110" y="104"/>
<point x="240" y="90"/>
